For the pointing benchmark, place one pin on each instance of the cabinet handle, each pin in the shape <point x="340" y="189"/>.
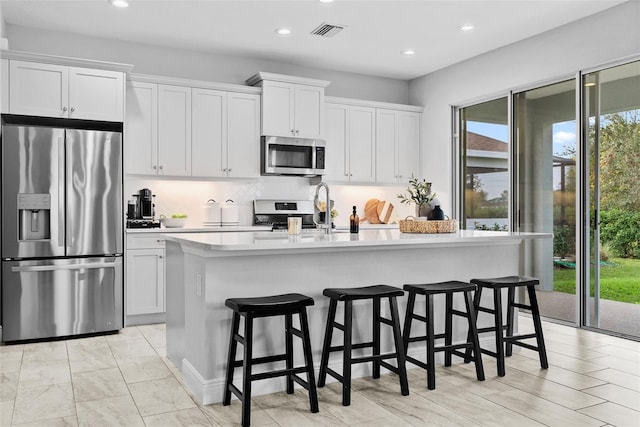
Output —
<point x="155" y="167"/>
<point x="159" y="256"/>
<point x="297" y="130"/>
<point x="160" y="241"/>
<point x="293" y="131"/>
<point x="73" y="109"/>
<point x="229" y="170"/>
<point x="64" y="108"/>
<point x="160" y="167"/>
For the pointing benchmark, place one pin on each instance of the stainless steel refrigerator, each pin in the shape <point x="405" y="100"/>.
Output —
<point x="61" y="229"/>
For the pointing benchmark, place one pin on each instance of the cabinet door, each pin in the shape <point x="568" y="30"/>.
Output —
<point x="96" y="94"/>
<point x="309" y="111"/>
<point x="362" y="144"/>
<point x="277" y="109"/>
<point x="141" y="128"/>
<point x="243" y="130"/>
<point x="407" y="145"/>
<point x="208" y="132"/>
<point x="386" y="132"/>
<point x="145" y="281"/>
<point x="4" y="86"/>
<point x="174" y="130"/>
<point x="337" y="132"/>
<point x="38" y="89"/>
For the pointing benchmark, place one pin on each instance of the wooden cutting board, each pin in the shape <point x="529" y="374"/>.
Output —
<point x="384" y="209"/>
<point x="371" y="211"/>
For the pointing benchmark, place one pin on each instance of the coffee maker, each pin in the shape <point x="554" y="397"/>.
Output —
<point x="141" y="210"/>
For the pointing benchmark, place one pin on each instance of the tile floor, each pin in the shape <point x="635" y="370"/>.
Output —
<point x="126" y="380"/>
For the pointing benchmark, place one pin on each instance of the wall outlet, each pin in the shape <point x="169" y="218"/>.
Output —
<point x="198" y="284"/>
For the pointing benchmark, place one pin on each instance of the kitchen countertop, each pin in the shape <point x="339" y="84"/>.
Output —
<point x="260" y="242"/>
<point x="218" y="229"/>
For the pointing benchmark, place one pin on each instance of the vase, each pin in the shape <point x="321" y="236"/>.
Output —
<point x="423" y="211"/>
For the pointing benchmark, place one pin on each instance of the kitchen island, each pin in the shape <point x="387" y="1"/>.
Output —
<point x="204" y="269"/>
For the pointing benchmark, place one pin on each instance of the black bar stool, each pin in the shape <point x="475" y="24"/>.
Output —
<point x="348" y="295"/>
<point x="472" y="344"/>
<point x="504" y="333"/>
<point x="251" y="308"/>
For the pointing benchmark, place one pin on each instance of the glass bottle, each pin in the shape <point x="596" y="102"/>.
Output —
<point x="354" y="222"/>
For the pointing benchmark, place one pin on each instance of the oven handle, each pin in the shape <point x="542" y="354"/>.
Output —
<point x="35" y="268"/>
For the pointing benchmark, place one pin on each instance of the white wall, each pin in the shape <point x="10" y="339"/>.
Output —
<point x="608" y="36"/>
<point x="208" y="66"/>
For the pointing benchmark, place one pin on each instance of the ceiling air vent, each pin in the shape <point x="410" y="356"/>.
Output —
<point x="327" y="30"/>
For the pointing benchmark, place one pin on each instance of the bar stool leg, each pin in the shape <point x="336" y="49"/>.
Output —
<point x="537" y="324"/>
<point x="233" y="345"/>
<point x="328" y="334"/>
<point x="511" y="299"/>
<point x="497" y="304"/>
<point x="448" y="327"/>
<point x="246" y="370"/>
<point x="473" y="331"/>
<point x="431" y="367"/>
<point x="397" y="337"/>
<point x="346" y="357"/>
<point x="306" y="344"/>
<point x="376" y="337"/>
<point x="476" y="304"/>
<point x="408" y="317"/>
<point x="288" y="324"/>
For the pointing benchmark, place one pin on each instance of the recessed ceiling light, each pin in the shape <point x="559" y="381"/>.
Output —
<point x="409" y="52"/>
<point x="119" y="3"/>
<point x="282" y="31"/>
<point x="326" y="1"/>
<point x="466" y="27"/>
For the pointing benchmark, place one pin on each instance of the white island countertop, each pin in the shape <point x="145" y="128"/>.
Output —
<point x="261" y="242"/>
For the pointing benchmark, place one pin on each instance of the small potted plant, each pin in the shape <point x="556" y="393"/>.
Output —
<point x="419" y="194"/>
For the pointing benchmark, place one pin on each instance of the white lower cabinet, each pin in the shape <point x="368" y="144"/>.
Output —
<point x="145" y="279"/>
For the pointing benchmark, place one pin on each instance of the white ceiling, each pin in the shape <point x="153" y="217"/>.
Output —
<point x="376" y="33"/>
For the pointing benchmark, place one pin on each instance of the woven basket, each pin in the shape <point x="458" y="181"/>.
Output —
<point x="410" y="225"/>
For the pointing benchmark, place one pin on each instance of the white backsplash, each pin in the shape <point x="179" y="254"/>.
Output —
<point x="188" y="197"/>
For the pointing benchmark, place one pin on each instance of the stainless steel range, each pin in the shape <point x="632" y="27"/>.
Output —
<point x="276" y="212"/>
<point x="61" y="227"/>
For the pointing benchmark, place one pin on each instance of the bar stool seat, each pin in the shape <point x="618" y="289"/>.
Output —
<point x="505" y="340"/>
<point x="275" y="305"/>
<point x="472" y="344"/>
<point x="348" y="295"/>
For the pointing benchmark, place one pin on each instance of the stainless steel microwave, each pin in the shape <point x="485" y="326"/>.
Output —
<point x="292" y="156"/>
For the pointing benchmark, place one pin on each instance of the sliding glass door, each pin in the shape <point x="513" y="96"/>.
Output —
<point x="545" y="150"/>
<point x="484" y="180"/>
<point x="611" y="131"/>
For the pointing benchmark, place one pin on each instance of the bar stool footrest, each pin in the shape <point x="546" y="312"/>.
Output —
<point x="277" y="373"/>
<point x="416" y="362"/>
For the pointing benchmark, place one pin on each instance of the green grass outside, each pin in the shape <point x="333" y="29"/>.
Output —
<point x="618" y="282"/>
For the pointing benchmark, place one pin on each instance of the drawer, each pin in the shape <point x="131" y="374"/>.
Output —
<point x="145" y="242"/>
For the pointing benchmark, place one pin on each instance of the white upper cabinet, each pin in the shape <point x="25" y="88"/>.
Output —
<point x="350" y="143"/>
<point x="51" y="90"/>
<point x="141" y="128"/>
<point x="397" y="145"/>
<point x="96" y="94"/>
<point x="208" y="132"/>
<point x="291" y="106"/>
<point x="174" y="130"/>
<point x="337" y="134"/>
<point x="180" y="130"/>
<point x="243" y="135"/>
<point x="225" y="134"/>
<point x="362" y="140"/>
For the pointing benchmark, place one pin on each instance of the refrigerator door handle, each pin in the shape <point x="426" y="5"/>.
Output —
<point x="61" y="195"/>
<point x="36" y="268"/>
<point x="69" y="186"/>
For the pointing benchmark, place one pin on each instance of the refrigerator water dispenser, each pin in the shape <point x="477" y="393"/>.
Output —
<point x="34" y="216"/>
